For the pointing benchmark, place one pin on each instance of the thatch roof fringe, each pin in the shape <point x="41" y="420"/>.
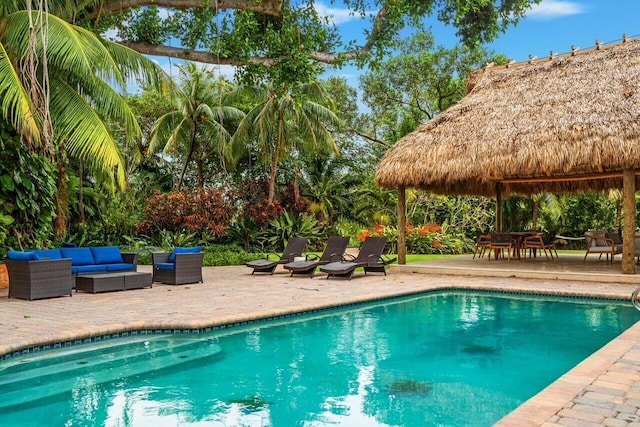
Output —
<point x="567" y="115"/>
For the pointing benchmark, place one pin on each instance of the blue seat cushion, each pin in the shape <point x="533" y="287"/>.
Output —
<point x="48" y="253"/>
<point x="121" y="266"/>
<point x="165" y="266"/>
<point x="106" y="255"/>
<point x="79" y="256"/>
<point x="180" y="250"/>
<point x="22" y="256"/>
<point x="94" y="268"/>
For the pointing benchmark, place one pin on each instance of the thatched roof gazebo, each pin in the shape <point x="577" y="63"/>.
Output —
<point x="562" y="124"/>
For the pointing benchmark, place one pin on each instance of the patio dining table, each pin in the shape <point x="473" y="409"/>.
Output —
<point x="518" y="237"/>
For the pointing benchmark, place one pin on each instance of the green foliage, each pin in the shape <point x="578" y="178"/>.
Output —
<point x="28" y="192"/>
<point x="588" y="211"/>
<point x="248" y="232"/>
<point x="288" y="225"/>
<point x="198" y="130"/>
<point x="418" y="83"/>
<point x="430" y="239"/>
<point x="217" y="255"/>
<point x="167" y="240"/>
<point x="146" y="26"/>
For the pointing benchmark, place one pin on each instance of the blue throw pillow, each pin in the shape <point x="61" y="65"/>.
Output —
<point x="79" y="256"/>
<point x="22" y="256"/>
<point x="179" y="250"/>
<point x="106" y="255"/>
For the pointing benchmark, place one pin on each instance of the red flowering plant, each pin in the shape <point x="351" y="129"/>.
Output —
<point x="428" y="239"/>
<point x="206" y="210"/>
<point x="362" y="236"/>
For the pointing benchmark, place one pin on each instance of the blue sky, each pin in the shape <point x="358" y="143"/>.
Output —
<point x="553" y="25"/>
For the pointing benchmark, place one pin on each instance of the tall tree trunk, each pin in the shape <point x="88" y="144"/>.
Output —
<point x="200" y="170"/>
<point x="62" y="196"/>
<point x="619" y="215"/>
<point x="274" y="163"/>
<point x="83" y="218"/>
<point x="189" y="157"/>
<point x="536" y="210"/>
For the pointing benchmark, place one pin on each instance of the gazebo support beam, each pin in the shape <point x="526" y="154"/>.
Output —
<point x="402" y="225"/>
<point x="629" y="229"/>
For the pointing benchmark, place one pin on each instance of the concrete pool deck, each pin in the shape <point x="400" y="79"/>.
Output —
<point x="602" y="390"/>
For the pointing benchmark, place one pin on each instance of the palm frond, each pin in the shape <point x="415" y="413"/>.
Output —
<point x="16" y="106"/>
<point x="162" y="130"/>
<point x="137" y="67"/>
<point x="83" y="132"/>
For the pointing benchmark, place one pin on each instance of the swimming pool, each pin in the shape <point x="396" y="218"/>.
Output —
<point x="448" y="358"/>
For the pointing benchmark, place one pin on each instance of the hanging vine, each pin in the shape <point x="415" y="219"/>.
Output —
<point x="36" y="72"/>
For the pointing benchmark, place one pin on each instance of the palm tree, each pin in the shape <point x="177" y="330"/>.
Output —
<point x="285" y="119"/>
<point x="59" y="86"/>
<point x="199" y="127"/>
<point x="325" y="183"/>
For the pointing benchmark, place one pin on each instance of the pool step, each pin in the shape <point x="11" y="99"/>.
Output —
<point x="44" y="375"/>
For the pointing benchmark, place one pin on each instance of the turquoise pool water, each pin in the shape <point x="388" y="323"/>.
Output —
<point x="449" y="359"/>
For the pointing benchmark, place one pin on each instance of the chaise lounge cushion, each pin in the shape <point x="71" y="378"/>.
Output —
<point x="180" y="250"/>
<point x="22" y="256"/>
<point x="106" y="255"/>
<point x="79" y="256"/>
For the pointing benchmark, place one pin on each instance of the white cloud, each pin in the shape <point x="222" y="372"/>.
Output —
<point x="336" y="16"/>
<point x="550" y="9"/>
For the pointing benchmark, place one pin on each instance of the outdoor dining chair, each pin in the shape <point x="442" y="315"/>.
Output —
<point x="501" y="241"/>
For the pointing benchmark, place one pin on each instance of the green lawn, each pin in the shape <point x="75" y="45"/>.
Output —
<point x="424" y="257"/>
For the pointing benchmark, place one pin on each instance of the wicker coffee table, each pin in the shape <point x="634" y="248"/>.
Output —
<point x="108" y="282"/>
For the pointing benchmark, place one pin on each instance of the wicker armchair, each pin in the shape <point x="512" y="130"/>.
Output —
<point x="187" y="268"/>
<point x="40" y="279"/>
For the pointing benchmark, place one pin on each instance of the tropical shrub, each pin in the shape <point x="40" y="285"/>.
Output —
<point x="426" y="239"/>
<point x="248" y="233"/>
<point x="206" y="210"/>
<point x="289" y="225"/>
<point x="216" y="255"/>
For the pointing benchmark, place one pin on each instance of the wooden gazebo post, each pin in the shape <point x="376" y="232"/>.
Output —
<point x="629" y="228"/>
<point x="402" y="225"/>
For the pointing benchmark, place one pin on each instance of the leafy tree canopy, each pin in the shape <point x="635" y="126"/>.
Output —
<point x="278" y="40"/>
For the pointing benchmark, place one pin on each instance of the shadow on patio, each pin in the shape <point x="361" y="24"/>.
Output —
<point x="569" y="266"/>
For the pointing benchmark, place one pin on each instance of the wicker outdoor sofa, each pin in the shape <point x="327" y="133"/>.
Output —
<point x="48" y="273"/>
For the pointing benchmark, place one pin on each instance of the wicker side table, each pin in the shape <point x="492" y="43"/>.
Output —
<point x="105" y="282"/>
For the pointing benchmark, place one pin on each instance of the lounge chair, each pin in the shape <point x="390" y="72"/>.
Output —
<point x="333" y="252"/>
<point x="369" y="257"/>
<point x="180" y="267"/>
<point x="294" y="248"/>
<point x="602" y="242"/>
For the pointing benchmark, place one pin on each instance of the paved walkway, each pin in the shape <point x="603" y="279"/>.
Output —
<point x="602" y="390"/>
